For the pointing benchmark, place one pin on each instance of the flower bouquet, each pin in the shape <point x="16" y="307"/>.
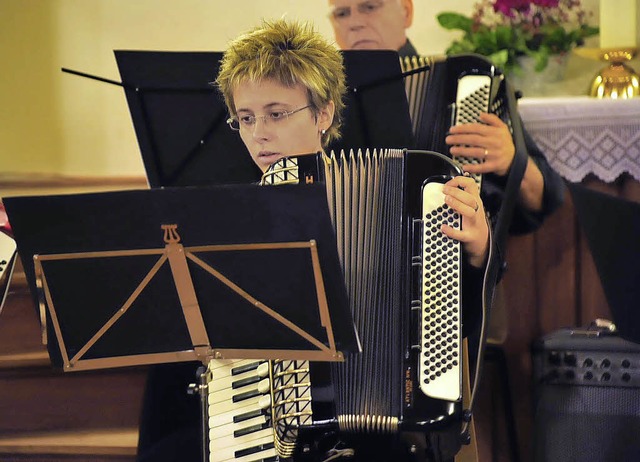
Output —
<point x="504" y="30"/>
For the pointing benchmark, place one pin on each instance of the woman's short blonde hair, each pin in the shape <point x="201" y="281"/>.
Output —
<point x="291" y="53"/>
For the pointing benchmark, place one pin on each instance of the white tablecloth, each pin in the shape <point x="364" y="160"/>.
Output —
<point x="582" y="135"/>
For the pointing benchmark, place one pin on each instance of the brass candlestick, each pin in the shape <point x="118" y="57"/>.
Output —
<point x="616" y="80"/>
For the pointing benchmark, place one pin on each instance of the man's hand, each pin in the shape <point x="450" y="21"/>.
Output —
<point x="489" y="140"/>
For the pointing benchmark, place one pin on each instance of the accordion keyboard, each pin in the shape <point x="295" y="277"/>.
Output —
<point x="440" y="372"/>
<point x="239" y="415"/>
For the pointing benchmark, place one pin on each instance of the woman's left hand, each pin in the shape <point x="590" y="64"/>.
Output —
<point x="462" y="195"/>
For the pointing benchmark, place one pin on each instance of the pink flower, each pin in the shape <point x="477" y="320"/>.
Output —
<point x="507" y="7"/>
<point x="546" y="3"/>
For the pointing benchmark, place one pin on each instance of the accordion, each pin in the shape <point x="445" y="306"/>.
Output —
<point x="435" y="104"/>
<point x="403" y="277"/>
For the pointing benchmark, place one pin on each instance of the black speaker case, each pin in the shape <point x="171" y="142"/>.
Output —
<point x="586" y="397"/>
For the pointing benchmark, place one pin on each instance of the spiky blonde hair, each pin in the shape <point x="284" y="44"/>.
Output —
<point x="291" y="53"/>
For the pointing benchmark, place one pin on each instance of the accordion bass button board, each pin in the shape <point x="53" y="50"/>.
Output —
<point x="440" y="314"/>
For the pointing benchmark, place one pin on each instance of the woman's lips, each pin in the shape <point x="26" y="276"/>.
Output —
<point x="267" y="154"/>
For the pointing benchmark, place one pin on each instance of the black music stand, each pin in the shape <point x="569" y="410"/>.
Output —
<point x="377" y="111"/>
<point x="181" y="274"/>
<point x="612" y="228"/>
<point x="180" y="118"/>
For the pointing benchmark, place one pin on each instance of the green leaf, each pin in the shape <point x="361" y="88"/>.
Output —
<point x="455" y="21"/>
<point x="504" y="35"/>
<point x="542" y="58"/>
<point x="500" y="58"/>
<point x="588" y="31"/>
<point x="460" y="47"/>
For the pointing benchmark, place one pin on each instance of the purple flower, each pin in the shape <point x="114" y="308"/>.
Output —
<point x="507" y="7"/>
<point x="546" y="3"/>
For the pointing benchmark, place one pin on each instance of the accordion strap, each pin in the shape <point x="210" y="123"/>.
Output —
<point x="498" y="237"/>
<point x="516" y="172"/>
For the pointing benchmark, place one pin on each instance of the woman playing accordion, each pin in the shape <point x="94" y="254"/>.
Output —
<point x="284" y="86"/>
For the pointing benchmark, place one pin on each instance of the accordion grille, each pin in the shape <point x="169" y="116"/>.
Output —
<point x="366" y="204"/>
<point x="416" y="81"/>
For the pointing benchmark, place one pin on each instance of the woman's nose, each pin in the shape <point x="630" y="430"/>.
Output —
<point x="260" y="128"/>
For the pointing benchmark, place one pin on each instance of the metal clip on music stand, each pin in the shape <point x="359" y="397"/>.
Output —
<point x="170" y="275"/>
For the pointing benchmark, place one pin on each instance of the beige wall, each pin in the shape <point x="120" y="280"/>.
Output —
<point x="53" y="122"/>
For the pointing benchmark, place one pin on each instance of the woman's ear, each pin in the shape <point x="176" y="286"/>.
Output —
<point x="325" y="116"/>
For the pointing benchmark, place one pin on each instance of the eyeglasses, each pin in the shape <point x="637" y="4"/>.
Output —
<point x="249" y="121"/>
<point x="368" y="7"/>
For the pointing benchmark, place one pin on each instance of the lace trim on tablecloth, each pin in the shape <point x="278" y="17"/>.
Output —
<point x="581" y="136"/>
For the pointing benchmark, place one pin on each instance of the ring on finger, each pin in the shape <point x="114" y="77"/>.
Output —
<point x="486" y="153"/>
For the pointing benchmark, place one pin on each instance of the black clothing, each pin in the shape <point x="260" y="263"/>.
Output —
<point x="407" y="49"/>
<point x="524" y="220"/>
<point x="170" y="421"/>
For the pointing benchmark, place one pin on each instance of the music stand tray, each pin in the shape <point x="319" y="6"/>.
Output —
<point x="181" y="274"/>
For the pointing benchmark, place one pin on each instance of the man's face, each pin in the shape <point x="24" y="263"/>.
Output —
<point x="370" y="24"/>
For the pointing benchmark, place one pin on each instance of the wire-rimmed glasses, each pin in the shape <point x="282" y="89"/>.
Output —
<point x="249" y="121"/>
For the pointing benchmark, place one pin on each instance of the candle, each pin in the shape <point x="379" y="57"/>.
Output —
<point x="617" y="23"/>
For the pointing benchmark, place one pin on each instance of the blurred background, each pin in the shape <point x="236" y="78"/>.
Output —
<point x="54" y="122"/>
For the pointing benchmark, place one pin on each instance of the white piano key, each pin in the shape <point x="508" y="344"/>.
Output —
<point x="226" y="381"/>
<point x="248" y="458"/>
<point x="224" y="367"/>
<point x="228" y="394"/>
<point x="221" y="415"/>
<point x="259" y="455"/>
<point x="227" y="452"/>
<point x="224" y="431"/>
<point x="222" y="407"/>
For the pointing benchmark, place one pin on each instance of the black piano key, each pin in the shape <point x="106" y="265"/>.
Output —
<point x="245" y="368"/>
<point x="250" y="429"/>
<point x="253" y="450"/>
<point x="246" y="395"/>
<point x="247" y="415"/>
<point x="244" y="382"/>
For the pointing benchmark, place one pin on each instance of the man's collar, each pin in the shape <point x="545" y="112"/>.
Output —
<point x="407" y="50"/>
